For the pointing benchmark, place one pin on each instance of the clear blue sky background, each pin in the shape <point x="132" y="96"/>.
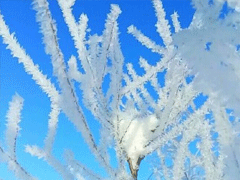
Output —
<point x="20" y="17"/>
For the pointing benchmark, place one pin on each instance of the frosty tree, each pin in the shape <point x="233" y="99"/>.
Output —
<point x="139" y="116"/>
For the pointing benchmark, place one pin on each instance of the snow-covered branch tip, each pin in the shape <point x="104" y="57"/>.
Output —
<point x="176" y="22"/>
<point x="13" y="120"/>
<point x="145" y="40"/>
<point x="162" y="25"/>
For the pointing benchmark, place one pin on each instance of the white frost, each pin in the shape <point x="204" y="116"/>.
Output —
<point x="210" y="49"/>
<point x="137" y="135"/>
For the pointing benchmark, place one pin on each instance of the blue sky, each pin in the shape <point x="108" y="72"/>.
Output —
<point x="20" y="18"/>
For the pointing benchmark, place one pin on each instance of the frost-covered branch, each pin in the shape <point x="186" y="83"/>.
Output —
<point x="32" y="69"/>
<point x="52" y="161"/>
<point x="52" y="126"/>
<point x="8" y="156"/>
